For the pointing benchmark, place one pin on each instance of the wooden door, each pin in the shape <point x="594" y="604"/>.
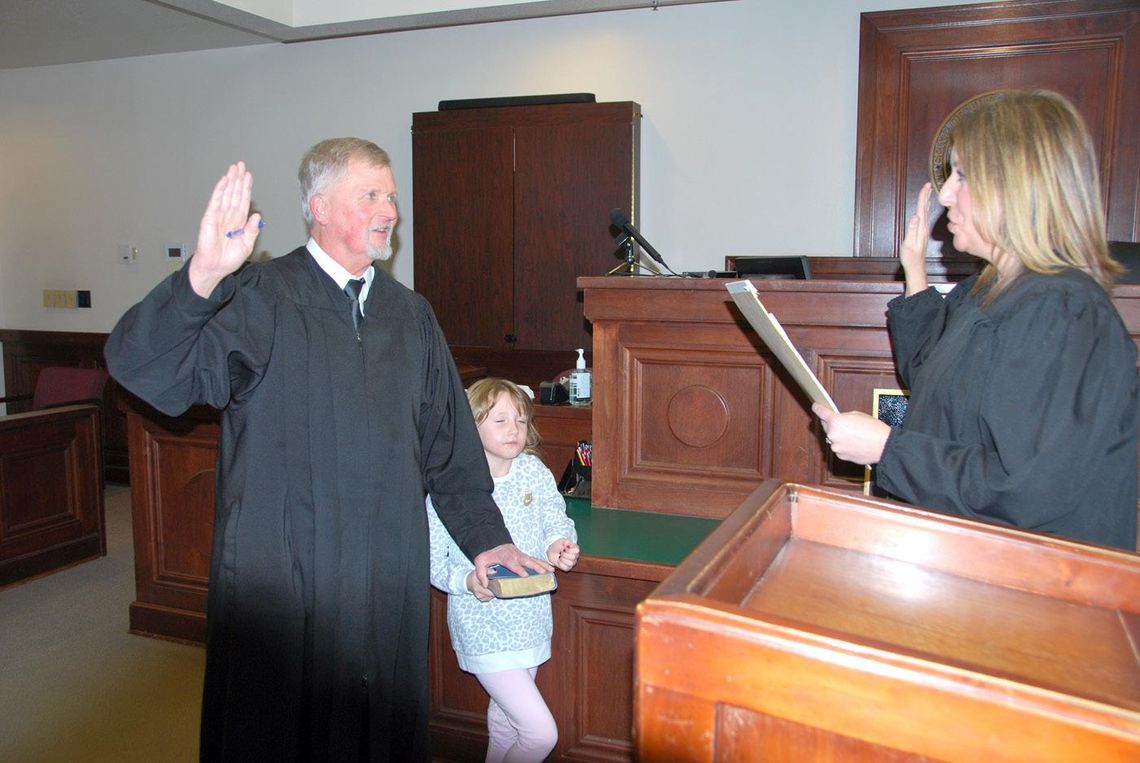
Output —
<point x="462" y="181"/>
<point x="569" y="176"/>
<point x="512" y="206"/>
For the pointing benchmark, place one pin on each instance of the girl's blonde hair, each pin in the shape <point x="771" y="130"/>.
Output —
<point x="483" y="394"/>
<point x="1032" y="173"/>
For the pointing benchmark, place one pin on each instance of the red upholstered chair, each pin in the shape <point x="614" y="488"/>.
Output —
<point x="63" y="385"/>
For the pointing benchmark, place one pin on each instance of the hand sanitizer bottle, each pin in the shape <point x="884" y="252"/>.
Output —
<point x="580" y="381"/>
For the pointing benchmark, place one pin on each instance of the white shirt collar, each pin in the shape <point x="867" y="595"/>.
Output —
<point x="336" y="272"/>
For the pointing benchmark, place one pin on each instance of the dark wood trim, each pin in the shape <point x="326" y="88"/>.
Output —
<point x="527" y="116"/>
<point x="157" y="621"/>
<point x="173" y="516"/>
<point x="917" y="66"/>
<point x="938" y="270"/>
<point x="51" y="491"/>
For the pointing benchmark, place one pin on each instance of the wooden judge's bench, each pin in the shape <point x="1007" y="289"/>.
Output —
<point x="691" y="410"/>
<point x="784" y="637"/>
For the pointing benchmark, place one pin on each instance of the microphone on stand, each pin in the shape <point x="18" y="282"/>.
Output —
<point x="622" y="223"/>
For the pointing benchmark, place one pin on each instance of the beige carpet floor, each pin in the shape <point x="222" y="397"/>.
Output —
<point x="75" y="685"/>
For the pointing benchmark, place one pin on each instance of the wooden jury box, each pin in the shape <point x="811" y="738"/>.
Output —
<point x="815" y="625"/>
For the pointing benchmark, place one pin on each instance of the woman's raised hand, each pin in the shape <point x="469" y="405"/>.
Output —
<point x="912" y="253"/>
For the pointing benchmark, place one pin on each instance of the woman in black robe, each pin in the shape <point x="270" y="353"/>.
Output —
<point x="1023" y="406"/>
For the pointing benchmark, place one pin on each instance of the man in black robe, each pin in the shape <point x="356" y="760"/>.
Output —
<point x="338" y="415"/>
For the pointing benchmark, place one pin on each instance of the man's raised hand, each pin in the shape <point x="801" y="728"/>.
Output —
<point x="227" y="232"/>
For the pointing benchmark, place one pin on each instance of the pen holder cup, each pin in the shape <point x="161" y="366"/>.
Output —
<point x="575" y="482"/>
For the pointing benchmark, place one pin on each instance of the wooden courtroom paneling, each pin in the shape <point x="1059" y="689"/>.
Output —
<point x="530" y="367"/>
<point x="917" y="66"/>
<point x="949" y="269"/>
<point x="691" y="411"/>
<point x="51" y="491"/>
<point x="172" y="502"/>
<point x="813" y="625"/>
<point x="561" y="427"/>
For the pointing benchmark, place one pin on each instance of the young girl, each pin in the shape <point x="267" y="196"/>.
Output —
<point x="503" y="641"/>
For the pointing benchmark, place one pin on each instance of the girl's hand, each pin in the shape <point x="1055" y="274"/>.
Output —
<point x="563" y="554"/>
<point x="481" y="593"/>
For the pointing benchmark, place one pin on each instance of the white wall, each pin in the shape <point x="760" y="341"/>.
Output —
<point x="748" y="136"/>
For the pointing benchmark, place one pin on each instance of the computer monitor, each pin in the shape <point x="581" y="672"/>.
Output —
<point x="773" y="267"/>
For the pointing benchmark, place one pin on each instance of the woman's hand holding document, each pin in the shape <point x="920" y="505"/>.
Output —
<point x="770" y="330"/>
<point x="855" y="437"/>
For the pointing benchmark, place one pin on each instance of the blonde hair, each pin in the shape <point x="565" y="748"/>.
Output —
<point x="323" y="164"/>
<point x="1032" y="175"/>
<point x="483" y="394"/>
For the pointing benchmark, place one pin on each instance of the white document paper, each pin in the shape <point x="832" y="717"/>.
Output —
<point x="746" y="297"/>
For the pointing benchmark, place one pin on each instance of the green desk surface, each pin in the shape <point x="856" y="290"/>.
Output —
<point x="642" y="536"/>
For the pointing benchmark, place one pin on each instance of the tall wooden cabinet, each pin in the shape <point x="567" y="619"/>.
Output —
<point x="511" y="206"/>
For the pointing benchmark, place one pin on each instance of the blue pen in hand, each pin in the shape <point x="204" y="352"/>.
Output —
<point x="238" y="231"/>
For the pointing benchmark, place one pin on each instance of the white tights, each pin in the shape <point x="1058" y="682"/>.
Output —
<point x="519" y="723"/>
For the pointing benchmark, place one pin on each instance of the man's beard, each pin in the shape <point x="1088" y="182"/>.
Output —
<point x="382" y="252"/>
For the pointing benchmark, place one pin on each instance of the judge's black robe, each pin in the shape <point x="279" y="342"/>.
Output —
<point x="317" y="613"/>
<point x="1022" y="412"/>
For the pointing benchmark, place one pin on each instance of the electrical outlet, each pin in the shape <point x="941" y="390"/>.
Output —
<point x="128" y="254"/>
<point x="83" y="298"/>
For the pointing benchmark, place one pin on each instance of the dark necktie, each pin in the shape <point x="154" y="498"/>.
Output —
<point x="352" y="289"/>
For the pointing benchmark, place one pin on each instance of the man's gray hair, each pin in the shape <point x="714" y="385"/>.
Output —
<point x="323" y="164"/>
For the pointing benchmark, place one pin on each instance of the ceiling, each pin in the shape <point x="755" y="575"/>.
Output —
<point x="45" y="32"/>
